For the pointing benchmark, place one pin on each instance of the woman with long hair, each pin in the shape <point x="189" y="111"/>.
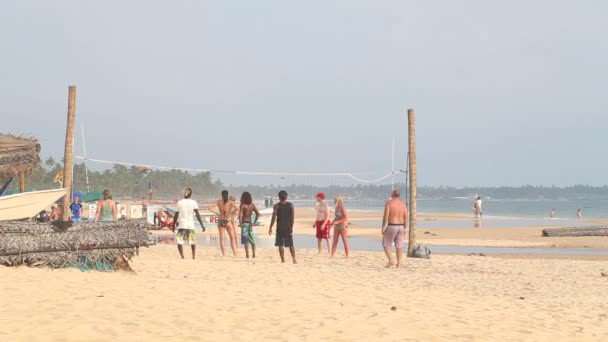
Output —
<point x="226" y="209"/>
<point x="106" y="208"/>
<point x="340" y="225"/>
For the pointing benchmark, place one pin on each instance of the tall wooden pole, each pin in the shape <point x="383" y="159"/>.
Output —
<point x="411" y="119"/>
<point x="21" y="181"/>
<point x="68" y="157"/>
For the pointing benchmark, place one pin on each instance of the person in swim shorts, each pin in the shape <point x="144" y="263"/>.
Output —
<point x="283" y="213"/>
<point x="394" y="223"/>
<point x="184" y="219"/>
<point x="323" y="222"/>
<point x="246" y="210"/>
<point x="225" y="209"/>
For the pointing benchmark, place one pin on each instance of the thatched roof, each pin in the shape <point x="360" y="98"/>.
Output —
<point x="102" y="245"/>
<point x="17" y="154"/>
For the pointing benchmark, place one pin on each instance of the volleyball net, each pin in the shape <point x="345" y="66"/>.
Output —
<point x="130" y="179"/>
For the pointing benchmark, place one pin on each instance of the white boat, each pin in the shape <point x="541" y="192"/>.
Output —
<point x="27" y="204"/>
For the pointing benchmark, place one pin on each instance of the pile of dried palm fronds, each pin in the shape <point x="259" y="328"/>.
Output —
<point x="17" y="154"/>
<point x="103" y="246"/>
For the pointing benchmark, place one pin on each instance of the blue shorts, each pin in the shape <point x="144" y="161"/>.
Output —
<point x="76" y="219"/>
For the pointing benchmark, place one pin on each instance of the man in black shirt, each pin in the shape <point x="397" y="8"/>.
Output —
<point x="284" y="214"/>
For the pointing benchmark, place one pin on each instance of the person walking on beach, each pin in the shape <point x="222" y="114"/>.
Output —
<point x="76" y="209"/>
<point x="394" y="223"/>
<point x="323" y="222"/>
<point x="579" y="214"/>
<point x="246" y="209"/>
<point x="340" y="226"/>
<point x="106" y="208"/>
<point x="234" y="219"/>
<point x="477" y="207"/>
<point x="284" y="214"/>
<point x="184" y="220"/>
<point x="225" y="210"/>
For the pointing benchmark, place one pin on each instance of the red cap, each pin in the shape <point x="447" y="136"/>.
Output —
<point x="320" y="195"/>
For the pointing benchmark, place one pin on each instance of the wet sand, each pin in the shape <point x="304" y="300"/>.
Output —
<point x="466" y="236"/>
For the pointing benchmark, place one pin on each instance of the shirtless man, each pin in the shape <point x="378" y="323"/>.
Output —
<point x="394" y="223"/>
<point x="226" y="210"/>
<point x="246" y="210"/>
<point x="323" y="222"/>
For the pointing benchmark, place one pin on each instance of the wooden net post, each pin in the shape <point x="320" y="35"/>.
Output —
<point x="411" y="119"/>
<point x="68" y="158"/>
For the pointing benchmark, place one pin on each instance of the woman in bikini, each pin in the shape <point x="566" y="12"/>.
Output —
<point x="226" y="209"/>
<point x="340" y="225"/>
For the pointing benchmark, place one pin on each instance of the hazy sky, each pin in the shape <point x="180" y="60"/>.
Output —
<point x="506" y="93"/>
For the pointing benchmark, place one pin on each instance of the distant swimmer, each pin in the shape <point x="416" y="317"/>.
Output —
<point x="579" y="214"/>
<point x="284" y="214"/>
<point x="393" y="229"/>
<point x="477" y="207"/>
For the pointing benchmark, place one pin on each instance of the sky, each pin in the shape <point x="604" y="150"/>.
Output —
<point x="506" y="93"/>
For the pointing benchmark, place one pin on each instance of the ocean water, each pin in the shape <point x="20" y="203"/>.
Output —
<point x="489" y="222"/>
<point x="370" y="244"/>
<point x="523" y="209"/>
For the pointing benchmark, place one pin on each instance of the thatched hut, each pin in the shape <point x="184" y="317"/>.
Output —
<point x="102" y="246"/>
<point x="18" y="154"/>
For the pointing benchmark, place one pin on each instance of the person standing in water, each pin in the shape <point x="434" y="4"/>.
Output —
<point x="393" y="229"/>
<point x="477" y="207"/>
<point x="225" y="210"/>
<point x="284" y="214"/>
<point x="340" y="226"/>
<point x="247" y="208"/>
<point x="184" y="219"/>
<point x="579" y="214"/>
<point x="106" y="208"/>
<point x="323" y="222"/>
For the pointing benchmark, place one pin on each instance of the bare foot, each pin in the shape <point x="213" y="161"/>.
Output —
<point x="389" y="265"/>
<point x="295" y="262"/>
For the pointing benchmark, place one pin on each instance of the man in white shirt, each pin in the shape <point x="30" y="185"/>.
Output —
<point x="185" y="234"/>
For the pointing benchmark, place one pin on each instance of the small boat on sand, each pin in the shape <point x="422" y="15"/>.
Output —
<point x="27" y="204"/>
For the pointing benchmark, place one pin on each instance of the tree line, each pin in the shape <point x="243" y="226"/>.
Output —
<point x="133" y="182"/>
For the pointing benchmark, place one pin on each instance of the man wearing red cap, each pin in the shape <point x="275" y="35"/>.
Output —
<point x="323" y="222"/>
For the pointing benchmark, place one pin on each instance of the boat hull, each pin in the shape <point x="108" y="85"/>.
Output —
<point x="27" y="204"/>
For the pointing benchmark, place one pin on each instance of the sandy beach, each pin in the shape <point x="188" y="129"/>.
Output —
<point x="450" y="297"/>
<point x="213" y="298"/>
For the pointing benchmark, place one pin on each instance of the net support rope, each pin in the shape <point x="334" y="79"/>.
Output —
<point x="350" y="175"/>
